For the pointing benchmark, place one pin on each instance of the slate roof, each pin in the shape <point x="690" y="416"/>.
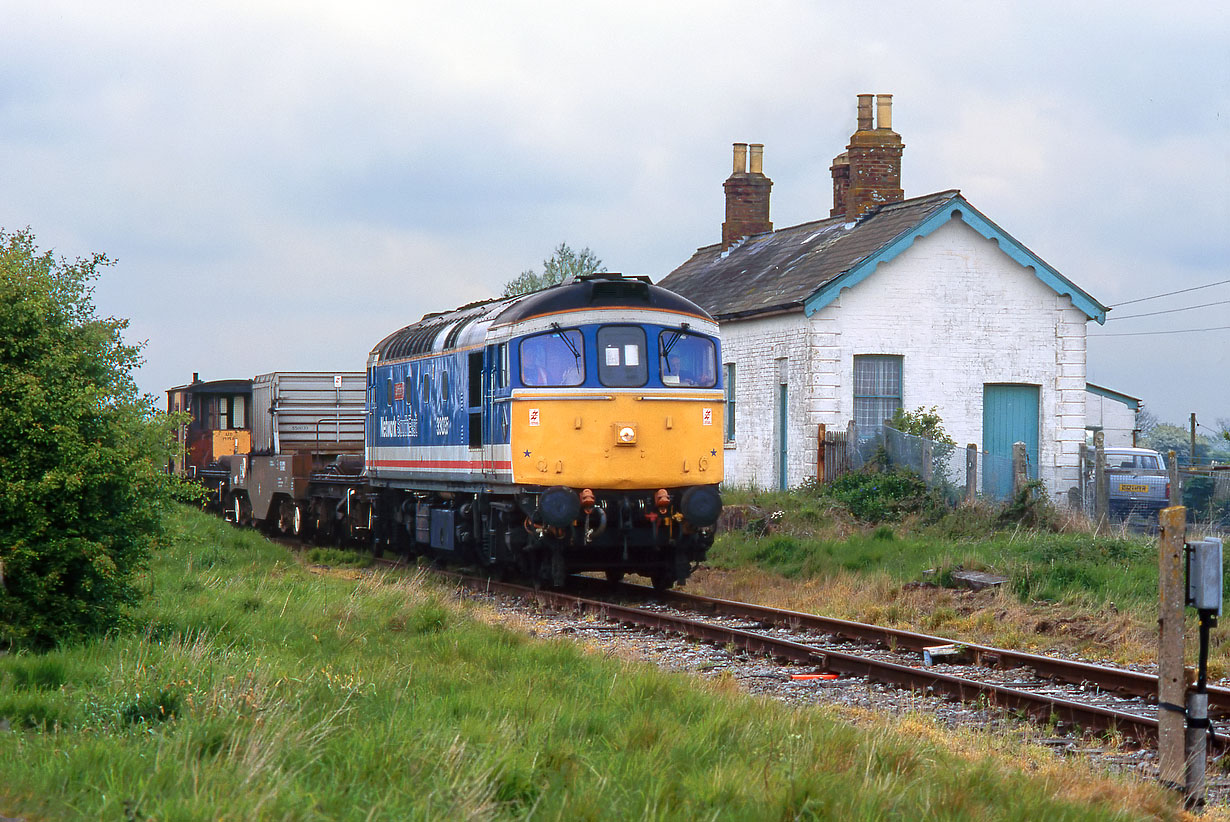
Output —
<point x="803" y="266"/>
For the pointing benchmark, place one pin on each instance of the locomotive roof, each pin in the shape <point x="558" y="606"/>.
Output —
<point x="469" y="323"/>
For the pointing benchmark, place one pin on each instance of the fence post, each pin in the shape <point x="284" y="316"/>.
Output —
<point x="927" y="468"/>
<point x="1172" y="465"/>
<point x="1101" y="491"/>
<point x="820" y="431"/>
<point x="1020" y="467"/>
<point x="971" y="473"/>
<point x="1171" y="679"/>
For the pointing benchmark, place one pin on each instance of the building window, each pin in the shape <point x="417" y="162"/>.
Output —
<point x="730" y="401"/>
<point x="877" y="390"/>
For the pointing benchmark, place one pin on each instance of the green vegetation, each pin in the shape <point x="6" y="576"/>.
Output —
<point x="823" y="531"/>
<point x="264" y="689"/>
<point x="562" y="264"/>
<point x="82" y="493"/>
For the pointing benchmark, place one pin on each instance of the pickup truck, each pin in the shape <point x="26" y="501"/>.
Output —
<point x="1137" y="481"/>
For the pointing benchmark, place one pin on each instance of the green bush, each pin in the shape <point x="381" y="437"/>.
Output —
<point x="82" y="490"/>
<point x="876" y="496"/>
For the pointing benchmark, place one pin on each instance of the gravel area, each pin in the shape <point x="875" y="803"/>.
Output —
<point x="850" y="696"/>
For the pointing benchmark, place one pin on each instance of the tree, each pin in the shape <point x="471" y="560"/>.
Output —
<point x="1166" y="437"/>
<point x="563" y="264"/>
<point x="82" y="493"/>
<point x="1146" y="421"/>
<point x="922" y="422"/>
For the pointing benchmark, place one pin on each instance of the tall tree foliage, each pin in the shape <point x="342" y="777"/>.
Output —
<point x="82" y="492"/>
<point x="562" y="264"/>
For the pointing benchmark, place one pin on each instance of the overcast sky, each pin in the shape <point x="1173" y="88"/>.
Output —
<point x="282" y="184"/>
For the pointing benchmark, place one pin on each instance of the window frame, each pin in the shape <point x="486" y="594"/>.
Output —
<point x="678" y="336"/>
<point x="643" y="348"/>
<point x="899" y="397"/>
<point x="576" y="342"/>
<point x="728" y="401"/>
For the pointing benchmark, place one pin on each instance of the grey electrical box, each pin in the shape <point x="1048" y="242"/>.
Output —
<point x="1204" y="575"/>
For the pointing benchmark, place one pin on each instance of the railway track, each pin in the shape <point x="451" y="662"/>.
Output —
<point x="1090" y="697"/>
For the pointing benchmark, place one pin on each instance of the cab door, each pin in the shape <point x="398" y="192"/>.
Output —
<point x="496" y="394"/>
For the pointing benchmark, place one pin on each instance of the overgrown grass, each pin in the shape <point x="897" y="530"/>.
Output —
<point x="821" y="535"/>
<point x="1068" y="589"/>
<point x="262" y="689"/>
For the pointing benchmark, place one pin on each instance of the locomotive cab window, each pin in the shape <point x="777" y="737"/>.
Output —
<point x="687" y="359"/>
<point x="621" y="356"/>
<point x="554" y="359"/>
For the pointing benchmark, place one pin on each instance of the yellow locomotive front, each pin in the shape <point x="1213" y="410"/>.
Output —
<point x="615" y="421"/>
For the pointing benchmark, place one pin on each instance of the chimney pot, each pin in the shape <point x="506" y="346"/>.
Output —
<point x="196" y="376"/>
<point x="870" y="175"/>
<point x="864" y="112"/>
<point x="884" y="111"/>
<point x="740" y="159"/>
<point x="757" y="158"/>
<point x="747" y="197"/>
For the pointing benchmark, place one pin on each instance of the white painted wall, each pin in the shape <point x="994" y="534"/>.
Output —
<point x="959" y="311"/>
<point x="1116" y="419"/>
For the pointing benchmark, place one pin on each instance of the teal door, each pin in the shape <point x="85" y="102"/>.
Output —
<point x="1009" y="415"/>
<point x="782" y="476"/>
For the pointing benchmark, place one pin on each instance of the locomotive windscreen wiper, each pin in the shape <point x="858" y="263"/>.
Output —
<point x="670" y="343"/>
<point x="576" y="354"/>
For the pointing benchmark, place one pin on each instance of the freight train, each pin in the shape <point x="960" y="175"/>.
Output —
<point x="577" y="428"/>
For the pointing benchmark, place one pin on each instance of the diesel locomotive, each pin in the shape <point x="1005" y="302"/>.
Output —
<point x="578" y="428"/>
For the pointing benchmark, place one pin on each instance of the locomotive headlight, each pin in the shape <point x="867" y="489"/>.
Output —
<point x="701" y="505"/>
<point x="559" y="506"/>
<point x="626" y="435"/>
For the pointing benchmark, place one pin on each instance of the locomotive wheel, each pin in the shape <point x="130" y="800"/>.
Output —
<point x="614" y="576"/>
<point x="661" y="580"/>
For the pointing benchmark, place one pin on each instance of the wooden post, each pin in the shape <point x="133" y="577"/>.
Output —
<point x="1020" y="472"/>
<point x="971" y="473"/>
<point x="1101" y="490"/>
<point x="820" y="432"/>
<point x="1172" y="680"/>
<point x="927" y="468"/>
<point x="1172" y="465"/>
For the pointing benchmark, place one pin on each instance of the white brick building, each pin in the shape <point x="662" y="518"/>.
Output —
<point x="1112" y="413"/>
<point x="887" y="303"/>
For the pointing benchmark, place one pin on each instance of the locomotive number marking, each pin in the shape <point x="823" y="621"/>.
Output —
<point x="534" y="417"/>
<point x="706" y="416"/>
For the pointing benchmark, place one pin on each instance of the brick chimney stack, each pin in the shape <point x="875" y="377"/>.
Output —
<point x="868" y="173"/>
<point x="747" y="196"/>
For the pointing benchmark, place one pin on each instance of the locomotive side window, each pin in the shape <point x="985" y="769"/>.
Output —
<point x="621" y="356"/>
<point x="426" y="390"/>
<point x="444" y="386"/>
<point x="687" y="359"/>
<point x="555" y="359"/>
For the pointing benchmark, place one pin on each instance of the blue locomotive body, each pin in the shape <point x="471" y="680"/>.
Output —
<point x="551" y="432"/>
